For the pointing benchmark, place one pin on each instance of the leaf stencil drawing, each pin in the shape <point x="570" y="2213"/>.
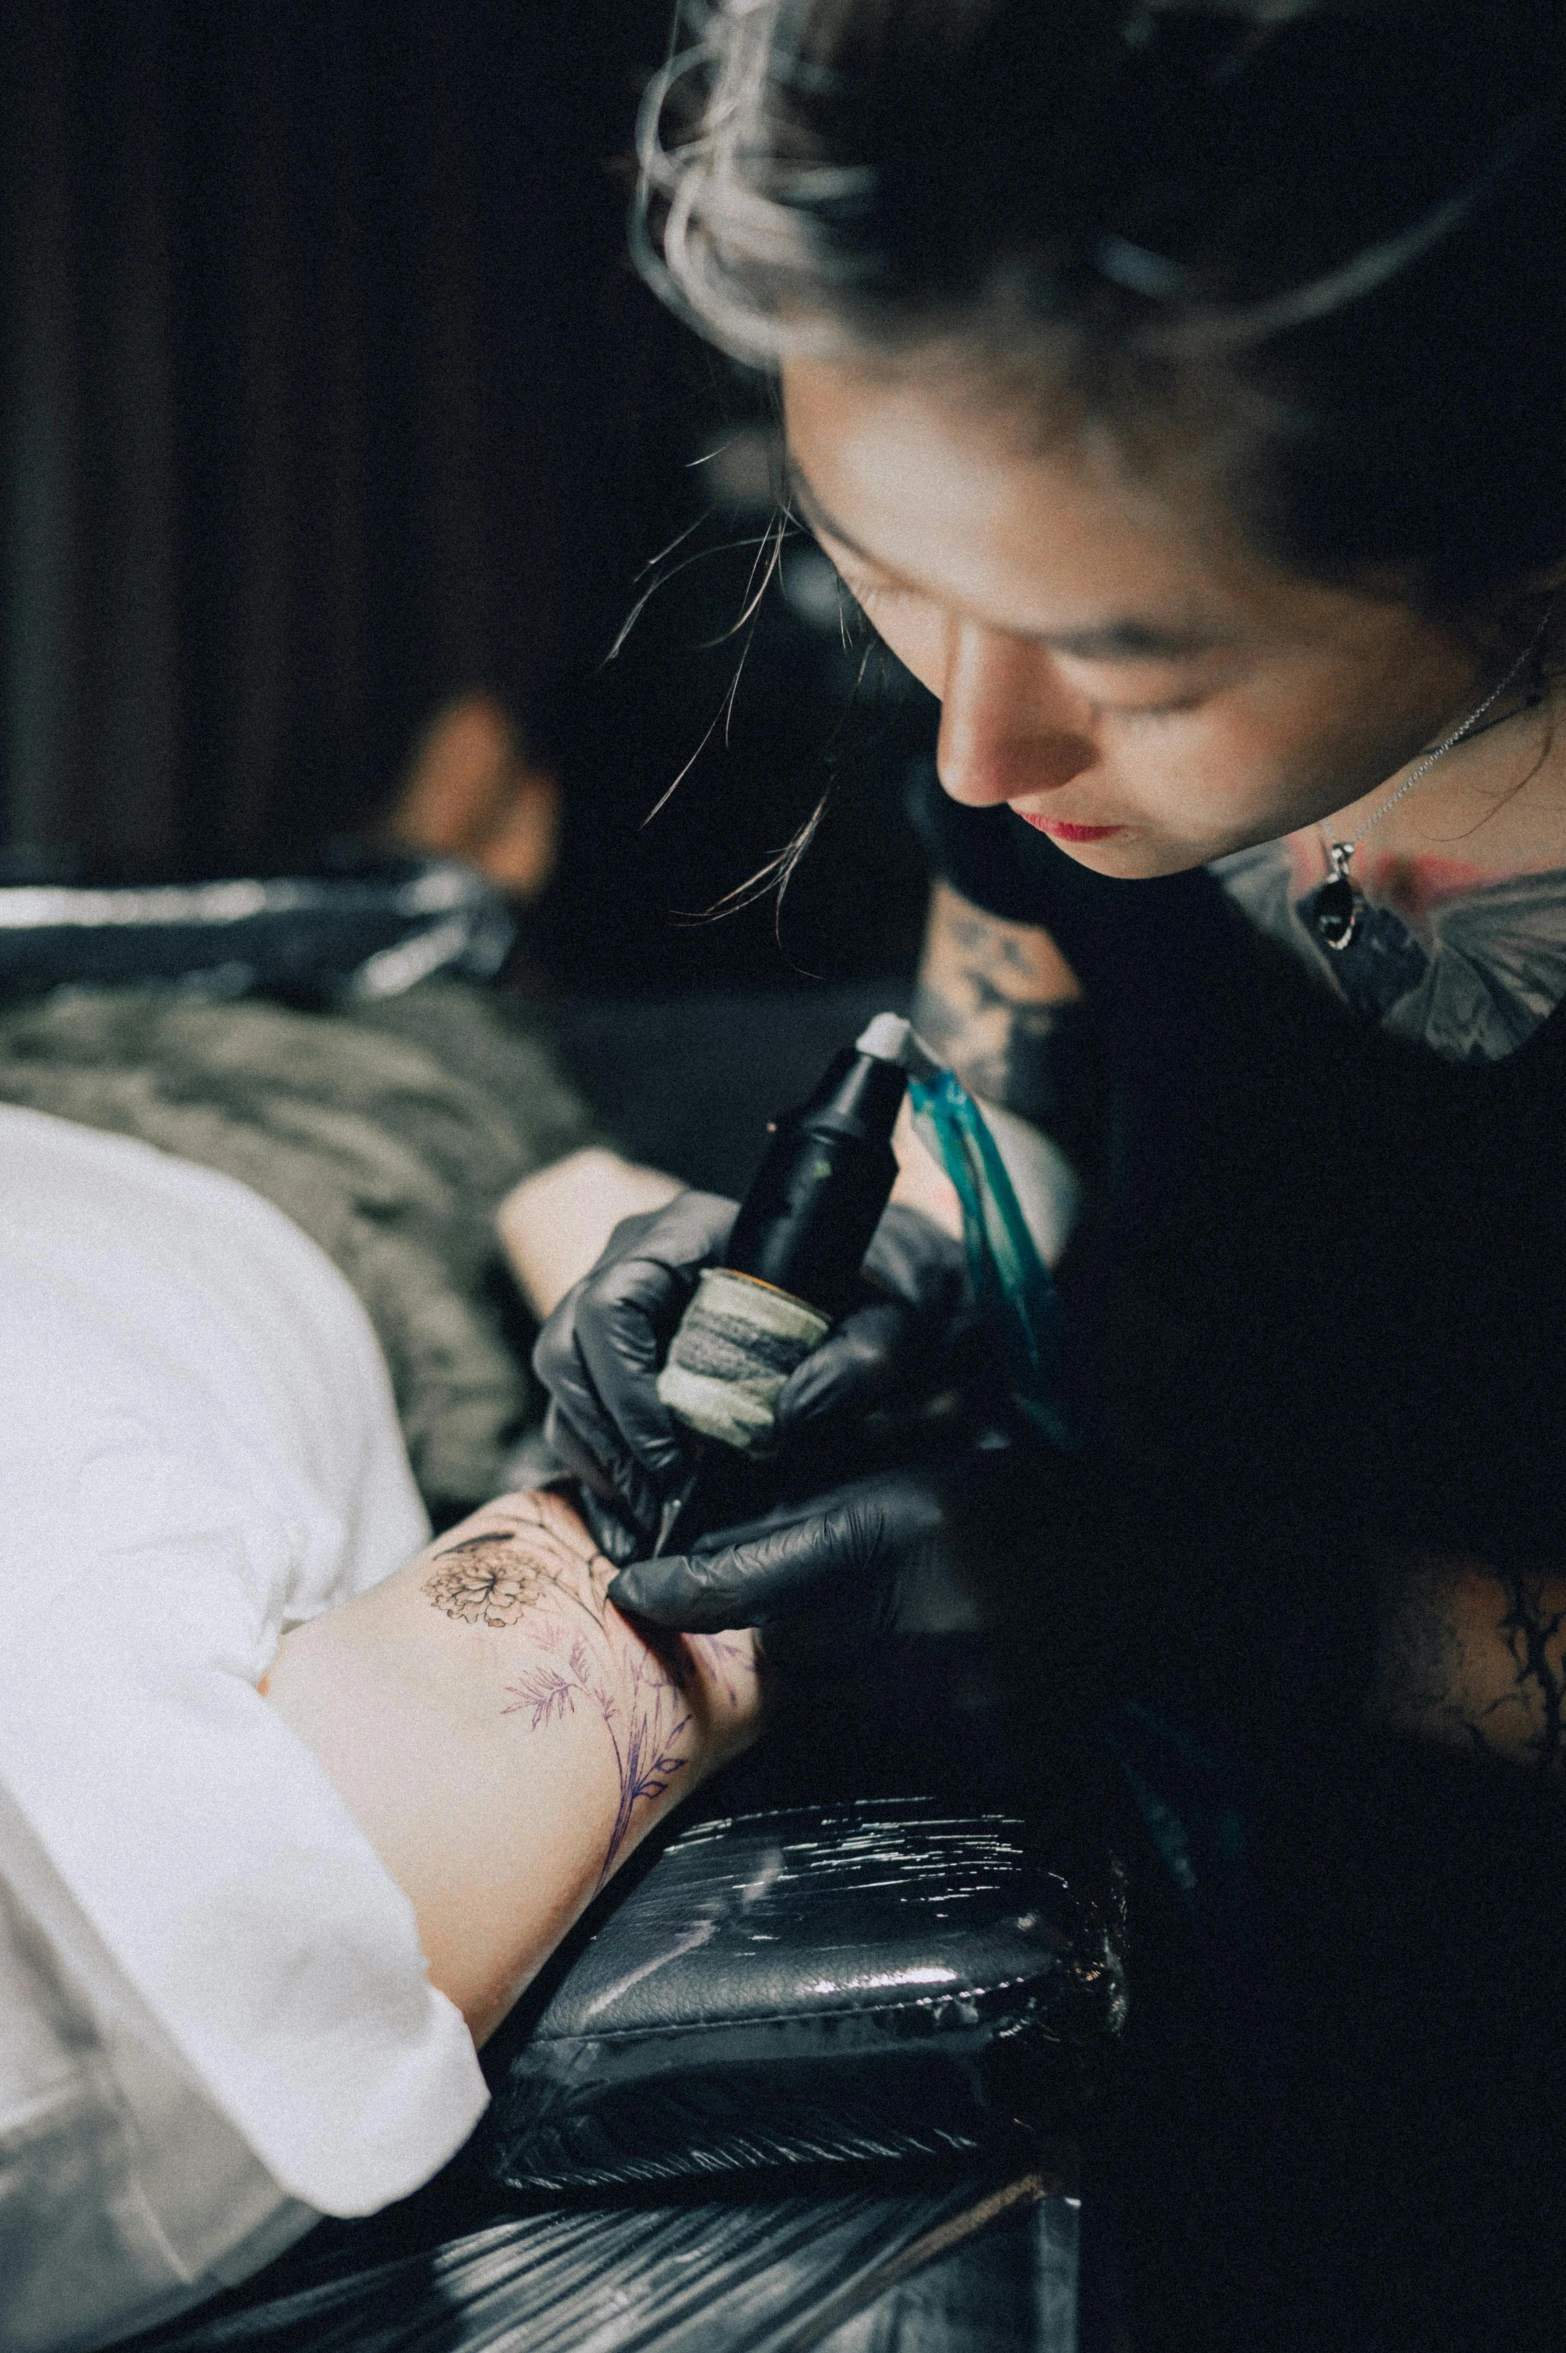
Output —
<point x="532" y="1563"/>
<point x="546" y="1692"/>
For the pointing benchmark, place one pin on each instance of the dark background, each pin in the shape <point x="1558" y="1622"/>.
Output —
<point x="328" y="392"/>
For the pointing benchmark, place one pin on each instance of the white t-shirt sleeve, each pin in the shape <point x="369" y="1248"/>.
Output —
<point x="197" y="1450"/>
<point x="124" y="2194"/>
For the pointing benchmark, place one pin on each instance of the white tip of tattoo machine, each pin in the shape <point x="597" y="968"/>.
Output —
<point x="886" y="1037"/>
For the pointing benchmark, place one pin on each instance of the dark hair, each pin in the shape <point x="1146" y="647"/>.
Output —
<point x="1333" y="237"/>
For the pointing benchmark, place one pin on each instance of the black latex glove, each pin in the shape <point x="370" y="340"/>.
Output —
<point x="600" y="1352"/>
<point x="859" y="1559"/>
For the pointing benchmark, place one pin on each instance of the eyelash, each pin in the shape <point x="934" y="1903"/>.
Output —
<point x="1134" y="712"/>
<point x="868" y="599"/>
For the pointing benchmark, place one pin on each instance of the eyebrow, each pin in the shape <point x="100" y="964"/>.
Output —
<point x="1125" y="640"/>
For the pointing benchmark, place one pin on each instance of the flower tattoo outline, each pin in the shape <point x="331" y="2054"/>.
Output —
<point x="530" y="1561"/>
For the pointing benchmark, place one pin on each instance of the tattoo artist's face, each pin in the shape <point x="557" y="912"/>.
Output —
<point x="1111" y="660"/>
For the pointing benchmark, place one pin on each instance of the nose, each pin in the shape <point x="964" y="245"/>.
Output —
<point x="1009" y="726"/>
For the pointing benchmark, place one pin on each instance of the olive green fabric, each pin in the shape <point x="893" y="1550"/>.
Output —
<point x="389" y="1134"/>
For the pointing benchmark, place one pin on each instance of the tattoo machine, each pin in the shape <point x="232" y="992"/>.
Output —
<point x="796" y="1249"/>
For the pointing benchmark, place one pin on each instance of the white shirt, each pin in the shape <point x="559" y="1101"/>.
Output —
<point x="215" y="2021"/>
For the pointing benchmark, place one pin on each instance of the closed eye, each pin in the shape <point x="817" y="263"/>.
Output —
<point x="1134" y="713"/>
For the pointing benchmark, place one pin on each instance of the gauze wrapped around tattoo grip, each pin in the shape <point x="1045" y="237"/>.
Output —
<point x="798" y="1243"/>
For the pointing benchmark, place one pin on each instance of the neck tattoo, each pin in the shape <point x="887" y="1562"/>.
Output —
<point x="1337" y="909"/>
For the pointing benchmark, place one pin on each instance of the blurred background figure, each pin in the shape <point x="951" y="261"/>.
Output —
<point x="337" y="443"/>
<point x="474" y="791"/>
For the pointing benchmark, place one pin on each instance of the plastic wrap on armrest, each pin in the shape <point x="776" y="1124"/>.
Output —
<point x="866" y="1981"/>
<point x="358" y="935"/>
<point x="726" y="2275"/>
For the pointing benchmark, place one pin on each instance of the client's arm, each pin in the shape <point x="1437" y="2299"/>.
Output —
<point x="504" y="1736"/>
<point x="555" y="1224"/>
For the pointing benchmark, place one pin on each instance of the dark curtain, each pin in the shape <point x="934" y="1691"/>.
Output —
<point x="327" y="392"/>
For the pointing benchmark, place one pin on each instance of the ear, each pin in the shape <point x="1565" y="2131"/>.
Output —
<point x="521" y="846"/>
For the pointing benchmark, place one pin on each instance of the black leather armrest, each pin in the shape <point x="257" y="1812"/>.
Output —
<point x="872" y="1980"/>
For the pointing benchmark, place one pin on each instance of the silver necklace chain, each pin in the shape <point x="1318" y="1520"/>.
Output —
<point x="1340" y="852"/>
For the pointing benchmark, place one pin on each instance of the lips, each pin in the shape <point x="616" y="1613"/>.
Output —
<point x="1059" y="831"/>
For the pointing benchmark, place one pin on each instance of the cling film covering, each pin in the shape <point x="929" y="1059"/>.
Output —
<point x="758" y="2275"/>
<point x="866" y="1981"/>
<point x="357" y="936"/>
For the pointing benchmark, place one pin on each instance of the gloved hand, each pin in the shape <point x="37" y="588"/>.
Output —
<point x="599" y="1355"/>
<point x="861" y="1559"/>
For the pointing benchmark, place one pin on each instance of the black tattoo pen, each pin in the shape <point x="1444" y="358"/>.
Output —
<point x="793" y="1260"/>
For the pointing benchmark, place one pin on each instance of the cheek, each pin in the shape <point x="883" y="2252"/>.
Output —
<point x="1254" y="772"/>
<point x="1215" y="780"/>
<point x="1305" y="755"/>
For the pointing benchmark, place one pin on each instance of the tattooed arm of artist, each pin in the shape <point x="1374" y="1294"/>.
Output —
<point x="999" y="1005"/>
<point x="1474" y="1656"/>
<point x="504" y="1736"/>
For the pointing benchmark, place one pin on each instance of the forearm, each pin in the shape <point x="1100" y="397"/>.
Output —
<point x="504" y="1736"/>
<point x="555" y="1223"/>
<point x="999" y="1005"/>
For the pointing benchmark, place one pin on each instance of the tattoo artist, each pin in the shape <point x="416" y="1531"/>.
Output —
<point x="1177" y="392"/>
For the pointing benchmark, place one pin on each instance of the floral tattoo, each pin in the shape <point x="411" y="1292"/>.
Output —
<point x="644" y="1721"/>
<point x="491" y="1578"/>
<point x="533" y="1560"/>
